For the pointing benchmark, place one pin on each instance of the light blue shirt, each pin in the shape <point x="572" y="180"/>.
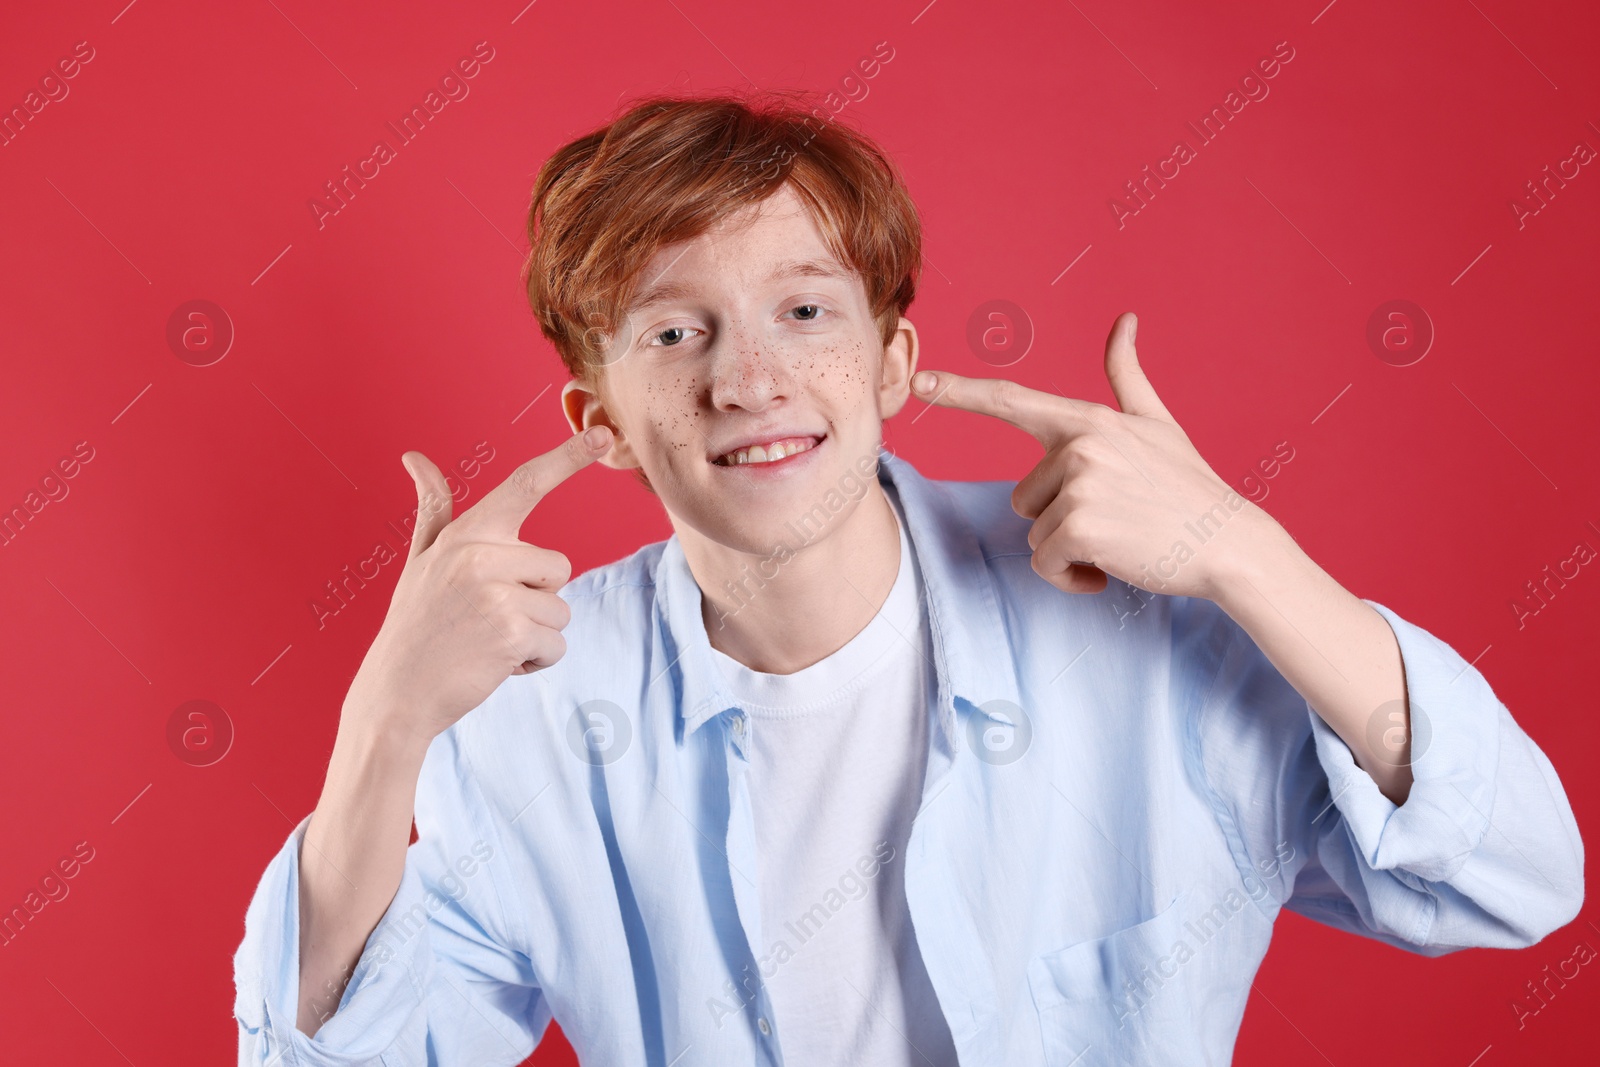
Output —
<point x="1121" y="794"/>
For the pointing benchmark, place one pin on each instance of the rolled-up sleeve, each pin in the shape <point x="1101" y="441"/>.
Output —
<point x="435" y="983"/>
<point x="1484" y="852"/>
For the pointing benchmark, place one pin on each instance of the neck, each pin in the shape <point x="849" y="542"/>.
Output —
<point x="780" y="613"/>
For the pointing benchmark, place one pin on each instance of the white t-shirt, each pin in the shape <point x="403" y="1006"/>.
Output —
<point x="837" y="754"/>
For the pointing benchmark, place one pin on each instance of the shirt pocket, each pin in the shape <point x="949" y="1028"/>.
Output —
<point x="1118" y="999"/>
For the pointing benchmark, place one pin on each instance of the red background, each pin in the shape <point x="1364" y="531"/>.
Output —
<point x="185" y="559"/>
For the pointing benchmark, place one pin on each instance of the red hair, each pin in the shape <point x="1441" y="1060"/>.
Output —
<point x="669" y="169"/>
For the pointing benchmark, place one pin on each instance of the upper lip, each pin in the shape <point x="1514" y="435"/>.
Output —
<point x="764" y="440"/>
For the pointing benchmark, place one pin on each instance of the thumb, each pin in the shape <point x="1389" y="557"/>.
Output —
<point x="433" y="501"/>
<point x="1135" y="395"/>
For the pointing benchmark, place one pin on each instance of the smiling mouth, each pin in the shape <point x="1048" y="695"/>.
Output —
<point x="772" y="452"/>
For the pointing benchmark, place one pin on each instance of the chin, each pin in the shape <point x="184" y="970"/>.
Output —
<point x="768" y="529"/>
<point x="794" y="523"/>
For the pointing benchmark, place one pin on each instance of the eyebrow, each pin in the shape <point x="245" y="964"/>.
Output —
<point x="664" y="291"/>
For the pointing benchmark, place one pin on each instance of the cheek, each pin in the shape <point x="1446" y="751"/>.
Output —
<point x="841" y="374"/>
<point x="671" y="417"/>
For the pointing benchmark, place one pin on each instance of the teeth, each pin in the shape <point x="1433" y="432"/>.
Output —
<point x="769" y="454"/>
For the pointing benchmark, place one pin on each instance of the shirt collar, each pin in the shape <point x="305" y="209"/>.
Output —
<point x="972" y="655"/>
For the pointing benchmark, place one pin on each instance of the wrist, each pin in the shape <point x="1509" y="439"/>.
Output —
<point x="1259" y="546"/>
<point x="368" y="793"/>
<point x="379" y="715"/>
<point x="379" y="728"/>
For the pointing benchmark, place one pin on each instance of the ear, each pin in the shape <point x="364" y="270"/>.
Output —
<point x="899" y="364"/>
<point x="583" y="406"/>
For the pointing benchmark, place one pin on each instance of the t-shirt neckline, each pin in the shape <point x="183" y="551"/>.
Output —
<point x="889" y="635"/>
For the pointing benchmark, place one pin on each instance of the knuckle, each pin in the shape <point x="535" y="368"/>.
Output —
<point x="526" y="481"/>
<point x="549" y="610"/>
<point x="1019" y="500"/>
<point x="1072" y="520"/>
<point x="548" y="648"/>
<point x="1100" y="414"/>
<point x="1073" y="456"/>
<point x="447" y="537"/>
<point x="1054" y="557"/>
<point x="485" y="612"/>
<point x="509" y="634"/>
<point x="1090" y="449"/>
<point x="546" y="570"/>
<point x="472" y="561"/>
<point x="1007" y="396"/>
<point x="1076" y="529"/>
<point x="1077" y="495"/>
<point x="1044" y="564"/>
<point x="523" y="636"/>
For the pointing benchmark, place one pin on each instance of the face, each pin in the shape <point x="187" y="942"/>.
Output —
<point x="750" y="381"/>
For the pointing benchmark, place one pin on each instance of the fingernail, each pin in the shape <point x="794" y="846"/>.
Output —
<point x="922" y="381"/>
<point x="595" y="436"/>
<point x="1133" y="327"/>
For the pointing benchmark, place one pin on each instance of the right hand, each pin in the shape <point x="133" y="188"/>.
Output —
<point x="475" y="604"/>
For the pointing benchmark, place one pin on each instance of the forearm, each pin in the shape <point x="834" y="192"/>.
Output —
<point x="354" y="853"/>
<point x="1336" y="651"/>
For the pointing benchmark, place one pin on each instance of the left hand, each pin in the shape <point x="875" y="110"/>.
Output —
<point x="1118" y="492"/>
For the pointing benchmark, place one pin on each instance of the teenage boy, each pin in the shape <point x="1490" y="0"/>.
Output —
<point x="860" y="767"/>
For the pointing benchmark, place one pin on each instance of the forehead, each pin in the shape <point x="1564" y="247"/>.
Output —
<point x="774" y="239"/>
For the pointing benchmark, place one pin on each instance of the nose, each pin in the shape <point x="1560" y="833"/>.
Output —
<point x="749" y="373"/>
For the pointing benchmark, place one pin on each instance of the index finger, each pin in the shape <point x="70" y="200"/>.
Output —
<point x="504" y="508"/>
<point x="1047" y="417"/>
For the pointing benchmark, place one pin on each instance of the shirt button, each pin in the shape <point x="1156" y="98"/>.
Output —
<point x="738" y="725"/>
<point x="766" y="1027"/>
